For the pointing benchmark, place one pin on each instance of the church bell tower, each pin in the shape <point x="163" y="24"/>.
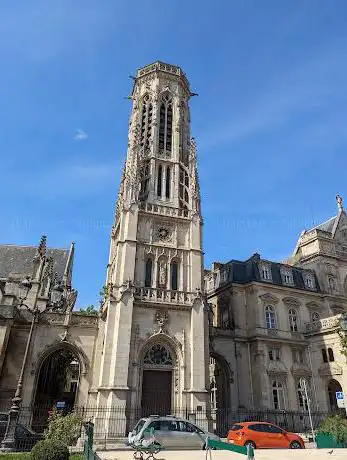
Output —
<point x="153" y="336"/>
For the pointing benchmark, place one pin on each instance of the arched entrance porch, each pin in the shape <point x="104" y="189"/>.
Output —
<point x="57" y="381"/>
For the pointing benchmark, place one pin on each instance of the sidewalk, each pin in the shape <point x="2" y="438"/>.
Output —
<point x="260" y="454"/>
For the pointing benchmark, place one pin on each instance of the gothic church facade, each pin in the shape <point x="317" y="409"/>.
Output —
<point x="170" y="335"/>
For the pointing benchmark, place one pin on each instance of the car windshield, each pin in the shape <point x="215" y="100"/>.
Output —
<point x="139" y="426"/>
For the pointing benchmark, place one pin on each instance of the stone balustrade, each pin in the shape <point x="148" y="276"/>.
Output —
<point x="164" y="210"/>
<point x="323" y="324"/>
<point x="146" y="294"/>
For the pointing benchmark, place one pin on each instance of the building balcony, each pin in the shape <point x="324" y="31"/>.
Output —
<point x="164" y="296"/>
<point x="323" y="325"/>
<point x="277" y="334"/>
<point x="221" y="332"/>
<point x="164" y="210"/>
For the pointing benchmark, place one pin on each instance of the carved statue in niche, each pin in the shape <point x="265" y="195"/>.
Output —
<point x="161" y="318"/>
<point x="162" y="272"/>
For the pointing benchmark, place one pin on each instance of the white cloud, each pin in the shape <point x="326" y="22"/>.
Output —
<point x="80" y="135"/>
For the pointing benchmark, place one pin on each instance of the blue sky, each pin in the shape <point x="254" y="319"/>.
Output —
<point x="270" y="120"/>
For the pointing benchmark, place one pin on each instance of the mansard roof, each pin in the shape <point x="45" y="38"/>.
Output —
<point x="19" y="260"/>
<point x="244" y="272"/>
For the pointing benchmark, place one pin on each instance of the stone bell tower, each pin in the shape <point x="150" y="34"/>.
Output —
<point x="153" y="343"/>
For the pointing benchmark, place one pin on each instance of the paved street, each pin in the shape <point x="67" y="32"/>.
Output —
<point x="259" y="455"/>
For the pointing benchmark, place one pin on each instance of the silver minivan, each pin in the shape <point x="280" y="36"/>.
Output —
<point x="171" y="432"/>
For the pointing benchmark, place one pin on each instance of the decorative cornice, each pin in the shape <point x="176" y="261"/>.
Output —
<point x="269" y="298"/>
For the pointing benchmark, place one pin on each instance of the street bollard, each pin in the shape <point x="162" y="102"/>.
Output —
<point x="250" y="452"/>
<point x="88" y="444"/>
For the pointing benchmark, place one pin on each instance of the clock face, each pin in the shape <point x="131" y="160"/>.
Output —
<point x="163" y="233"/>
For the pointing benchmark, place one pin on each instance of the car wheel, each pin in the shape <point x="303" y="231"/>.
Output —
<point x="295" y="445"/>
<point x="250" y="443"/>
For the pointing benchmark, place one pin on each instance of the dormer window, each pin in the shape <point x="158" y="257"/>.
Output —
<point x="265" y="271"/>
<point x="287" y="276"/>
<point x="309" y="280"/>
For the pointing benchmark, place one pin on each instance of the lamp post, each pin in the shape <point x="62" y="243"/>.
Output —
<point x="8" y="443"/>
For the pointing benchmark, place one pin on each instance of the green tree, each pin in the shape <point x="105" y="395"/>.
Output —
<point x="64" y="428"/>
<point x="90" y="310"/>
<point x="335" y="426"/>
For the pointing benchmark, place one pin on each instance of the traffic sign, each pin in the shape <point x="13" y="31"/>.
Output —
<point x="340" y="400"/>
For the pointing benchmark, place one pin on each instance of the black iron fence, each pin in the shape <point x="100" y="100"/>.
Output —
<point x="113" y="423"/>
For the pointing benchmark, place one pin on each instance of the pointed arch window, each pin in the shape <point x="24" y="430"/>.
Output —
<point x="149" y="272"/>
<point x="144" y="180"/>
<point x="183" y="188"/>
<point x="168" y="182"/>
<point x="165" y="125"/>
<point x="293" y="320"/>
<point x="174" y="275"/>
<point x="159" y="180"/>
<point x="146" y="122"/>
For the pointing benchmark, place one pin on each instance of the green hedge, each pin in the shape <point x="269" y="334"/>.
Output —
<point x="26" y="456"/>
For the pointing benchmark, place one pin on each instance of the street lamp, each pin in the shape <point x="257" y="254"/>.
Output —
<point x="24" y="287"/>
<point x="8" y="443"/>
<point x="57" y="299"/>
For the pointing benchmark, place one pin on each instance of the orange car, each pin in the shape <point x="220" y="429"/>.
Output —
<point x="263" y="435"/>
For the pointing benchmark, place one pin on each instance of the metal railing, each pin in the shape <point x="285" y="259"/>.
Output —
<point x="112" y="423"/>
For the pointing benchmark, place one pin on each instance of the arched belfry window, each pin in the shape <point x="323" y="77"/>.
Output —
<point x="144" y="179"/>
<point x="148" y="272"/>
<point x="159" y="180"/>
<point x="184" y="136"/>
<point x="165" y="125"/>
<point x="168" y="182"/>
<point x="146" y="122"/>
<point x="174" y="275"/>
<point x="183" y="188"/>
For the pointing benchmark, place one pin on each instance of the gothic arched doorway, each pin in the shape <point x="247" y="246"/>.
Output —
<point x="57" y="382"/>
<point x="158" y="367"/>
<point x="333" y="387"/>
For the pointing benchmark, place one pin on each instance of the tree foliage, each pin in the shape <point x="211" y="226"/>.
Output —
<point x="344" y="344"/>
<point x="90" y="310"/>
<point x="64" y="428"/>
<point x="335" y="426"/>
